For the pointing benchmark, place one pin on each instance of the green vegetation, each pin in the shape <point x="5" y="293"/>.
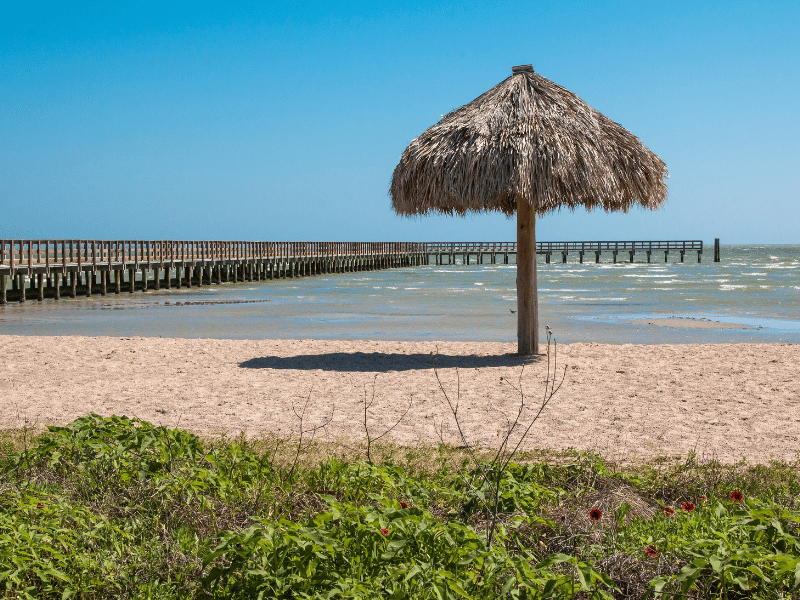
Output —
<point x="116" y="507"/>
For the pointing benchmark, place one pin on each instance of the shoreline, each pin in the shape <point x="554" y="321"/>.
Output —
<point x="722" y="401"/>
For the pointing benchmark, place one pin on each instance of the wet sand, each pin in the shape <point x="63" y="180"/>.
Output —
<point x="689" y="323"/>
<point x="723" y="401"/>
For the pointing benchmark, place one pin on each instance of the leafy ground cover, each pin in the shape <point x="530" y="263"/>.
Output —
<point x="117" y="507"/>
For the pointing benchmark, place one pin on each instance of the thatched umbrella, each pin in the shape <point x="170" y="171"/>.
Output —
<point x="527" y="146"/>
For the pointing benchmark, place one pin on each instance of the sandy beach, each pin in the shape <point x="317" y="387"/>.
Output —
<point x="723" y="401"/>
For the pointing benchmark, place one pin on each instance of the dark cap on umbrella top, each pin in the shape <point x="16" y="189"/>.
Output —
<point x="526" y="137"/>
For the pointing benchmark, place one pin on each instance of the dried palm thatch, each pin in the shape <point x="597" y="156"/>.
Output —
<point x="527" y="146"/>
<point x="531" y="138"/>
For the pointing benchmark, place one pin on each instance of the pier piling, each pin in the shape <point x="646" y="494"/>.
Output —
<point x="35" y="267"/>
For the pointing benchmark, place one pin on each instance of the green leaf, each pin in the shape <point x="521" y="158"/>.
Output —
<point x="549" y="588"/>
<point x="742" y="581"/>
<point x="584" y="575"/>
<point x="393" y="548"/>
<point x="453" y="585"/>
<point x="689" y="574"/>
<point x="507" y="586"/>
<point x="554" y="559"/>
<point x="716" y="563"/>
<point x="412" y="572"/>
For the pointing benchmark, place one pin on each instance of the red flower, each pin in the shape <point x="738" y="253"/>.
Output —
<point x="701" y="498"/>
<point x="384" y="531"/>
<point x="651" y="551"/>
<point x="737" y="496"/>
<point x="404" y="505"/>
<point x="668" y="511"/>
<point x="39" y="505"/>
<point x="687" y="506"/>
<point x="595" y="514"/>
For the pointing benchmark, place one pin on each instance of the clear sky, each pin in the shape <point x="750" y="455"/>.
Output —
<point x="284" y="121"/>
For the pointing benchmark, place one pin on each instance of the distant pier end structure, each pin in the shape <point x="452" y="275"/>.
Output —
<point x="39" y="269"/>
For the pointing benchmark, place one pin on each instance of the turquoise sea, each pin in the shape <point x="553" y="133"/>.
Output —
<point x="757" y="286"/>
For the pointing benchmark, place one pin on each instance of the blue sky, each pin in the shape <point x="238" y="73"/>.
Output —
<point x="284" y="121"/>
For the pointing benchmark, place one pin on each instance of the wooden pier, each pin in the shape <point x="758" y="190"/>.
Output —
<point x="480" y="250"/>
<point x="38" y="269"/>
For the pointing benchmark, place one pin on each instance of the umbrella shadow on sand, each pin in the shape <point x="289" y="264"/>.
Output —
<point x="378" y="362"/>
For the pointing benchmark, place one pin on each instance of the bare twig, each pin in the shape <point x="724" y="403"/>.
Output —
<point x="492" y="474"/>
<point x="367" y="405"/>
<point x="311" y="430"/>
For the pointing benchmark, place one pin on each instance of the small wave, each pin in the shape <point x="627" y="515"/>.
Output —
<point x="206" y="302"/>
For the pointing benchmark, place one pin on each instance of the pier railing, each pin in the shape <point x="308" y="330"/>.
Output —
<point x="37" y="255"/>
<point x="16" y="255"/>
<point x="552" y="247"/>
<point x="91" y="264"/>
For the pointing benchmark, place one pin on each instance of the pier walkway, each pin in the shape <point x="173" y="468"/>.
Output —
<point x="37" y="269"/>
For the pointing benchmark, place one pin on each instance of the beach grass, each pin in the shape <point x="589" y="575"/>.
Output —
<point x="117" y="507"/>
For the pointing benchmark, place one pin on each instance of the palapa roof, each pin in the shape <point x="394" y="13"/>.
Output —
<point x="527" y="137"/>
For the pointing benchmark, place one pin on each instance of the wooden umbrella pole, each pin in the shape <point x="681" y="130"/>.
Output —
<point x="527" y="301"/>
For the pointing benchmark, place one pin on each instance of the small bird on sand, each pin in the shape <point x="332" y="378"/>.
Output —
<point x="511" y="311"/>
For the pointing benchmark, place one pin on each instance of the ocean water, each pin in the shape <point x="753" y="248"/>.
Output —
<point x="756" y="286"/>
